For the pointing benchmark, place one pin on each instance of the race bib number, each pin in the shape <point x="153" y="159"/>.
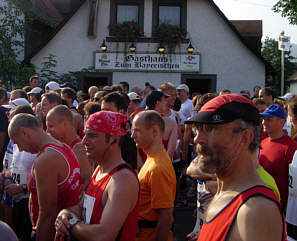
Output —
<point x="19" y="175"/>
<point x="88" y="206"/>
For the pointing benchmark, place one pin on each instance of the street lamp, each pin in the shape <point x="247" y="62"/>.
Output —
<point x="132" y="47"/>
<point x="161" y="48"/>
<point x="103" y="46"/>
<point x="190" y="48"/>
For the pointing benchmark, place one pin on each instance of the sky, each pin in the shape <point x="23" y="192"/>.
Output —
<point x="273" y="23"/>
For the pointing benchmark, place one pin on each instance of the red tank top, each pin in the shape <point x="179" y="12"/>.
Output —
<point x="76" y="141"/>
<point x="68" y="190"/>
<point x="95" y="190"/>
<point x="220" y="226"/>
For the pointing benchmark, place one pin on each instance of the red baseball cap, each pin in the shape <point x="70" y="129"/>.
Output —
<point x="108" y="122"/>
<point x="226" y="108"/>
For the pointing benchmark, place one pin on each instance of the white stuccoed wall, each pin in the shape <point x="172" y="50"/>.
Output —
<point x="222" y="53"/>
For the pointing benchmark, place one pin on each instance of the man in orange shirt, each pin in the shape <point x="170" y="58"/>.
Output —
<point x="156" y="177"/>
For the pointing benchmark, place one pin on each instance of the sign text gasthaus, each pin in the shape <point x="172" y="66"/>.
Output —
<point x="147" y="62"/>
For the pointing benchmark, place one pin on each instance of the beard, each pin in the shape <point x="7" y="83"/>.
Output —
<point x="210" y="162"/>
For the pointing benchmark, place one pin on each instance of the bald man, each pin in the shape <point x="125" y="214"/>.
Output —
<point x="54" y="181"/>
<point x="156" y="177"/>
<point x="60" y="124"/>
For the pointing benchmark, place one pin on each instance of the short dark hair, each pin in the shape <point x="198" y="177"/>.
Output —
<point x="91" y="108"/>
<point x="258" y="101"/>
<point x="268" y="91"/>
<point x="69" y="92"/>
<point x="116" y="88"/>
<point x="22" y="109"/>
<point x="21" y="92"/>
<point x="82" y="94"/>
<point x="125" y="84"/>
<point x="53" y="97"/>
<point x="33" y="77"/>
<point x="27" y="88"/>
<point x="256" y="86"/>
<point x="120" y="100"/>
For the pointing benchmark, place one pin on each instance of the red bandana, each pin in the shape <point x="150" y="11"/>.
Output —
<point x="111" y="123"/>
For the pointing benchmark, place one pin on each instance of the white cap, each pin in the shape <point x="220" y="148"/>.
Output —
<point x="183" y="87"/>
<point x="17" y="102"/>
<point x="52" y="85"/>
<point x="35" y="90"/>
<point x="133" y="96"/>
<point x="287" y="96"/>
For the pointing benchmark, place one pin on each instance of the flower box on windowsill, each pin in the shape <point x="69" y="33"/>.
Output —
<point x="141" y="40"/>
<point x="126" y="31"/>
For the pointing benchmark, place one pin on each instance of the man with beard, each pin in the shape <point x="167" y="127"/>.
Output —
<point x="228" y="135"/>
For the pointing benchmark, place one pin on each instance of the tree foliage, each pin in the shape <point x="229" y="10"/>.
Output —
<point x="287" y="8"/>
<point x="12" y="29"/>
<point x="271" y="53"/>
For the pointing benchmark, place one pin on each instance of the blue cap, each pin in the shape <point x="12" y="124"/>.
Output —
<point x="274" y="110"/>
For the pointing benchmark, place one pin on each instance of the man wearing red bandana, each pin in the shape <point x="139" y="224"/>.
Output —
<point x="110" y="204"/>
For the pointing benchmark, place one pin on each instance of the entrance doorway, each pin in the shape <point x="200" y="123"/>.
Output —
<point x="200" y="83"/>
<point x="99" y="79"/>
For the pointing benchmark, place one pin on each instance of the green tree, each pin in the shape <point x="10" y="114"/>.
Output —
<point x="287" y="8"/>
<point x="13" y="72"/>
<point x="47" y="72"/>
<point x="271" y="53"/>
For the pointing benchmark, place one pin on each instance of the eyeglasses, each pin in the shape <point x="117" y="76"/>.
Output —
<point x="207" y="128"/>
<point x="203" y="127"/>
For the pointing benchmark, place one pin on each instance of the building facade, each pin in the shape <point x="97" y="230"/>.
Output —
<point x="221" y="58"/>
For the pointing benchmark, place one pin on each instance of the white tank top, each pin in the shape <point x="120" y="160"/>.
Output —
<point x="21" y="166"/>
<point x="291" y="216"/>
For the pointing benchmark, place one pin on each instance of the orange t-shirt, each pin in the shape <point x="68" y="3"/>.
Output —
<point x="157" y="188"/>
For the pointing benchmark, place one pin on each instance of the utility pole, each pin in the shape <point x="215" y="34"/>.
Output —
<point x="283" y="45"/>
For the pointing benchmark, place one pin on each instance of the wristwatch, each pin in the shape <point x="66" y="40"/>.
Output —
<point x="72" y="223"/>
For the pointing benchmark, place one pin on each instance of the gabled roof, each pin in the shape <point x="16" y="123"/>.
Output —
<point x="51" y="34"/>
<point x="269" y="68"/>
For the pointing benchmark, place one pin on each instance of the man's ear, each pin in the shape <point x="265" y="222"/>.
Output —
<point x="247" y="137"/>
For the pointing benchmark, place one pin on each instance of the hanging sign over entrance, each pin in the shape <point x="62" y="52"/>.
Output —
<point x="147" y="62"/>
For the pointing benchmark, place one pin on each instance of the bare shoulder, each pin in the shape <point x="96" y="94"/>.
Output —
<point x="258" y="219"/>
<point x="124" y="181"/>
<point x="49" y="160"/>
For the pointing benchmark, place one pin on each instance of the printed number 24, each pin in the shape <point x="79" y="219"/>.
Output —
<point x="16" y="178"/>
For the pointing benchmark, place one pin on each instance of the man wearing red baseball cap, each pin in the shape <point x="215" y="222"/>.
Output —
<point x="110" y="206"/>
<point x="228" y="136"/>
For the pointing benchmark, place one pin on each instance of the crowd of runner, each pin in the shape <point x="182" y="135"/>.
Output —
<point x="114" y="163"/>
